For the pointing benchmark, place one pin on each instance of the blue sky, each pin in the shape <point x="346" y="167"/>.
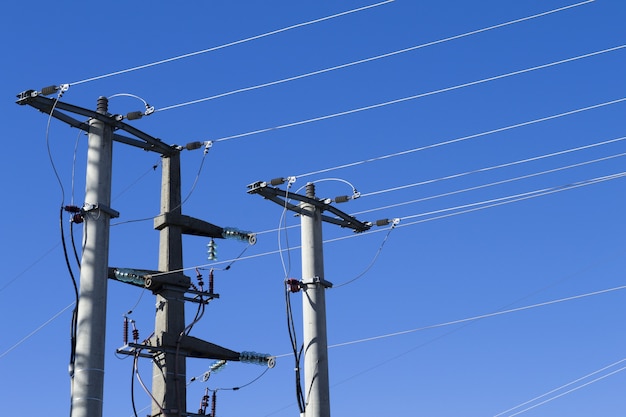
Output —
<point x="500" y="151"/>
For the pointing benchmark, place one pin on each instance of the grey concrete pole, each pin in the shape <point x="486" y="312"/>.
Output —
<point x="316" y="387"/>
<point x="88" y="379"/>
<point x="169" y="370"/>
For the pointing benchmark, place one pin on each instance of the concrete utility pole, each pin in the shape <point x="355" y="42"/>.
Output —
<point x="169" y="374"/>
<point x="170" y="345"/>
<point x="316" y="380"/>
<point x="313" y="284"/>
<point x="88" y="380"/>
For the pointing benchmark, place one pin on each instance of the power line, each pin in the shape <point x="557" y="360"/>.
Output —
<point x="493" y="167"/>
<point x="569" y="391"/>
<point x="28" y="336"/>
<point x="421" y="95"/>
<point x="464" y="138"/>
<point x="373" y="58"/>
<point x="491" y="184"/>
<point x="215" y="48"/>
<point x="561" y="387"/>
<point x="472" y="207"/>
<point x="473" y="318"/>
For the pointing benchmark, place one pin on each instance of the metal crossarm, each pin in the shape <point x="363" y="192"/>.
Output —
<point x="53" y="107"/>
<point x="280" y="197"/>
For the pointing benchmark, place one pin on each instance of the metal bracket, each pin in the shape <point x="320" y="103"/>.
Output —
<point x="87" y="208"/>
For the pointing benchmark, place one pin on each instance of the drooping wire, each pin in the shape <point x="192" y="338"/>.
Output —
<point x="291" y="328"/>
<point x="183" y="201"/>
<point x="371" y="59"/>
<point x="372" y="262"/>
<point x="421" y="95"/>
<point x="215" y="48"/>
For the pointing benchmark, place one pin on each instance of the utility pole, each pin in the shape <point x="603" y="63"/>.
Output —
<point x="88" y="373"/>
<point x="170" y="345"/>
<point x="314" y="310"/>
<point x="313" y="284"/>
<point x="169" y="373"/>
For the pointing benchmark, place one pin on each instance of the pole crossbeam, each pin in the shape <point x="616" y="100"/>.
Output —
<point x="52" y="107"/>
<point x="281" y="198"/>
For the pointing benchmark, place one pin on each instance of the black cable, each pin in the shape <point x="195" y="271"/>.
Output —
<point x="297" y="353"/>
<point x="74" y="245"/>
<point x="75" y="285"/>
<point x="74" y="321"/>
<point x="132" y="384"/>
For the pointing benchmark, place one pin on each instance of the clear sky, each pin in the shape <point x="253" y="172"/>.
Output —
<point x="495" y="134"/>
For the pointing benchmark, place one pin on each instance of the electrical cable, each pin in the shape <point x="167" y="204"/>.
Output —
<point x="421" y="95"/>
<point x="486" y="204"/>
<point x="291" y="328"/>
<point x="372" y="262"/>
<point x="470" y="319"/>
<point x="569" y="391"/>
<point x="561" y="387"/>
<point x="464" y="138"/>
<point x="28" y="268"/>
<point x="215" y="48"/>
<point x="491" y="184"/>
<point x="191" y="190"/>
<point x="31" y="334"/>
<point x="132" y="385"/>
<point x="371" y="59"/>
<point x="493" y="167"/>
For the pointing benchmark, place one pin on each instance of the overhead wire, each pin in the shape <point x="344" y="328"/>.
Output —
<point x="493" y="167"/>
<point x="226" y="45"/>
<point x="417" y="96"/>
<point x="463" y="138"/>
<point x="40" y="327"/>
<point x="373" y="58"/>
<point x="491" y="184"/>
<point x="468" y="208"/>
<point x="593" y="381"/>
<point x="472" y="318"/>
<point x="560" y="388"/>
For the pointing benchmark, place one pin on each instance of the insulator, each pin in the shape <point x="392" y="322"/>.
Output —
<point x="51" y="89"/>
<point x="135" y="335"/>
<point x="193" y="145"/>
<point x="342" y="199"/>
<point x="214" y="401"/>
<point x="211" y="282"/>
<point x="77" y="218"/>
<point x="212" y="250"/>
<point x="277" y="181"/>
<point x="125" y="330"/>
<point x="72" y="209"/>
<point x="134" y="115"/>
<point x="294" y="285"/>
<point x="217" y="366"/>
<point x="254" y="357"/>
<point x="382" y="222"/>
<point x="131" y="276"/>
<point x="204" y="403"/>
<point x="234" y="233"/>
